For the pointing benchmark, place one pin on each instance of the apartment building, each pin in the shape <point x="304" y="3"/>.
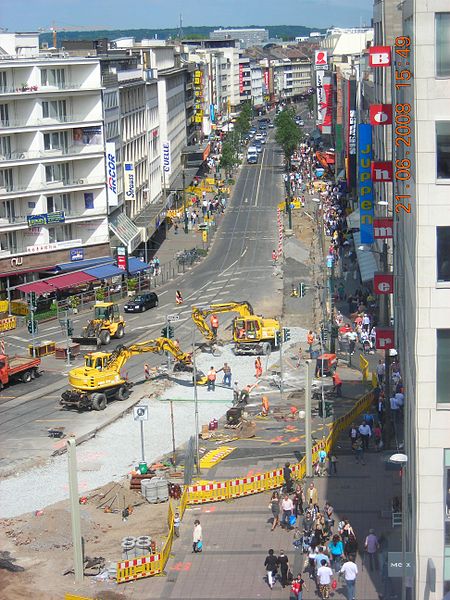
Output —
<point x="422" y="297"/>
<point x="246" y="36"/>
<point x="245" y="79"/>
<point x="53" y="202"/>
<point x="256" y="75"/>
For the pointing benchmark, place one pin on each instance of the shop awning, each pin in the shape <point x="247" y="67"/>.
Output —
<point x="83" y="264"/>
<point x="366" y="259"/>
<point x="135" y="265"/>
<point x="104" y="271"/>
<point x="38" y="287"/>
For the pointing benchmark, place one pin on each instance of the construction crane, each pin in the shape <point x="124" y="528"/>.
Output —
<point x="100" y="379"/>
<point x="252" y="334"/>
<point x="54" y="29"/>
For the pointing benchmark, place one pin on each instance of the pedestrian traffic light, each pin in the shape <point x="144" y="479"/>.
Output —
<point x="278" y="338"/>
<point x="286" y="334"/>
<point x="301" y="289"/>
<point x="69" y="328"/>
<point x="167" y="332"/>
<point x="32" y="327"/>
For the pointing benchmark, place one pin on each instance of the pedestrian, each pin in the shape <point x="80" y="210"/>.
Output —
<point x="372" y="546"/>
<point x="378" y="436"/>
<point x="236" y="392"/>
<point x="146" y="372"/>
<point x="336" y="550"/>
<point x="337" y="383"/>
<point x="176" y="524"/>
<point x="275" y="508"/>
<point x="287" y="507"/>
<point x="265" y="406"/>
<point x="349" y="570"/>
<point x="351" y="546"/>
<point x="178" y="297"/>
<point x="271" y="567"/>
<point x="381" y="409"/>
<point x="297" y="588"/>
<point x="226" y="369"/>
<point x="381" y="370"/>
<point x="258" y="367"/>
<point x="328" y="512"/>
<point x="353" y="435"/>
<point x="197" y="537"/>
<point x="214" y="320"/>
<point x="283" y="564"/>
<point x="310" y="342"/>
<point x="332" y="464"/>
<point x="298" y="500"/>
<point x="322" y="459"/>
<point x="312" y="496"/>
<point x="287" y="477"/>
<point x="359" y="451"/>
<point x="324" y="576"/>
<point x="211" y="377"/>
<point x="365" y="434"/>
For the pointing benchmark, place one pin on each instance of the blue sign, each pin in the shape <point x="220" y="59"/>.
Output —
<point x="46" y="218"/>
<point x="212" y="114"/>
<point x="365" y="185"/>
<point x="76" y="254"/>
<point x="320" y="172"/>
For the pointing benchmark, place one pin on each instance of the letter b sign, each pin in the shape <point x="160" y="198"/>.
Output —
<point x="379" y="56"/>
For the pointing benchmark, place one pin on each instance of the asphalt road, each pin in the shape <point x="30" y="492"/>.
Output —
<point x="238" y="267"/>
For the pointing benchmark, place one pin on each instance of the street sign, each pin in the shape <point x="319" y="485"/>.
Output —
<point x="395" y="564"/>
<point x="171" y="318"/>
<point x="140" y="412"/>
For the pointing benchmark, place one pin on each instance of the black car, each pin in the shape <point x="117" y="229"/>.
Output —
<point x="141" y="302"/>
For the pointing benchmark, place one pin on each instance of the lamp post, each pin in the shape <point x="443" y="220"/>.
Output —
<point x="401" y="460"/>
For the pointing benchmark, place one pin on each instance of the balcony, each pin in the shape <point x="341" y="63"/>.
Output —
<point x="22" y="90"/>
<point x="44" y="186"/>
<point x="54" y="120"/>
<point x="38" y="155"/>
<point x="51" y="246"/>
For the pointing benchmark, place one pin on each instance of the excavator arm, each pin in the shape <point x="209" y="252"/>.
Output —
<point x="200" y="315"/>
<point x="159" y="345"/>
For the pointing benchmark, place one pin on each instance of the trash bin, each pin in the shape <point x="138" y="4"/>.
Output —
<point x="143" y="468"/>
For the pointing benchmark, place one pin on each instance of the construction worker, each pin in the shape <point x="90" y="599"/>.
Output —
<point x="178" y="297"/>
<point x="337" y="382"/>
<point x="310" y="342"/>
<point x="212" y="375"/>
<point x="226" y="369"/>
<point x="235" y="392"/>
<point x="265" y="406"/>
<point x="214" y="323"/>
<point x="245" y="394"/>
<point x="258" y="367"/>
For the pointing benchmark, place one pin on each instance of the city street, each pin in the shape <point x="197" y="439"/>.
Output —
<point x="238" y="267"/>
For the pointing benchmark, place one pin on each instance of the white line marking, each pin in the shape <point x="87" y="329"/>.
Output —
<point x="236" y="261"/>
<point x="259" y="179"/>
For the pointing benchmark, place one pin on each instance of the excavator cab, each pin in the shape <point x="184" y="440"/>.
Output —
<point x="96" y="360"/>
<point x="247" y="329"/>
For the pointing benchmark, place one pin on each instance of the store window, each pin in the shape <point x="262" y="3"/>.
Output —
<point x="443" y="44"/>
<point x="443" y="366"/>
<point x="443" y="149"/>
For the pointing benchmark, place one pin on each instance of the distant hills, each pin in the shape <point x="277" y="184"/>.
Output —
<point x="285" y="32"/>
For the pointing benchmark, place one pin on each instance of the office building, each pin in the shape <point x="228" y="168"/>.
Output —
<point x="246" y="36"/>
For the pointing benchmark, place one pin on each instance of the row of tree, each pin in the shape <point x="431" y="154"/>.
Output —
<point x="232" y="142"/>
<point x="288" y="134"/>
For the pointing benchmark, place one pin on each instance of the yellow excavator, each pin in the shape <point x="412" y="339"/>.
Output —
<point x="252" y="334"/>
<point x="100" y="379"/>
<point x="107" y="323"/>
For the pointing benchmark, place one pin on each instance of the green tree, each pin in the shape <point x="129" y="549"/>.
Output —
<point x="311" y="103"/>
<point x="229" y="156"/>
<point x="288" y="134"/>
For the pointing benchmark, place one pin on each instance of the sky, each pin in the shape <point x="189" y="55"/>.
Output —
<point x="30" y="15"/>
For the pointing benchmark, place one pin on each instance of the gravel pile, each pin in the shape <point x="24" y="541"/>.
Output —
<point x="117" y="449"/>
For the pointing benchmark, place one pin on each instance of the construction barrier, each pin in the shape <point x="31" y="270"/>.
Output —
<point x="72" y="597"/>
<point x="215" y="491"/>
<point x="213" y="457"/>
<point x="8" y="324"/>
<point x="4" y="306"/>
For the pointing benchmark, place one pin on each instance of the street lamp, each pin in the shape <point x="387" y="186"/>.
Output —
<point x="401" y="460"/>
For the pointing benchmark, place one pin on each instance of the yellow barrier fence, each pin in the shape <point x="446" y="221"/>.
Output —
<point x="215" y="491"/>
<point x="7" y="324"/>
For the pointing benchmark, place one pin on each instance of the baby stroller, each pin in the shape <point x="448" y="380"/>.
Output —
<point x="306" y="541"/>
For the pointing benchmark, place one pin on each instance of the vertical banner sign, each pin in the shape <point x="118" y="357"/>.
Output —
<point x="380" y="56"/>
<point x="327" y="107"/>
<point x="352" y="132"/>
<point x="122" y="258"/>
<point x="129" y="181"/>
<point x="266" y="81"/>
<point x="241" y="79"/>
<point x="167" y="158"/>
<point x="365" y="187"/>
<point x="383" y="283"/>
<point x="111" y="174"/>
<point x="320" y="96"/>
<point x="198" y="96"/>
<point x="385" y="339"/>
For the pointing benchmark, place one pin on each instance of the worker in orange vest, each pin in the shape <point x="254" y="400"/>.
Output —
<point x="265" y="406"/>
<point x="258" y="367"/>
<point x="337" y="382"/>
<point x="310" y="341"/>
<point x="211" y="379"/>
<point x="214" y="324"/>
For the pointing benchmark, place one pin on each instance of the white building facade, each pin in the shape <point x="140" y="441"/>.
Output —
<point x="53" y="202"/>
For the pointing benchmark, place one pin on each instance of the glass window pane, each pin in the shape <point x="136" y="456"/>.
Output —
<point x="443" y="253"/>
<point x="443" y="366"/>
<point x="443" y="44"/>
<point x="443" y="149"/>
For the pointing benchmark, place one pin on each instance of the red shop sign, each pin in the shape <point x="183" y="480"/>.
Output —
<point x="383" y="283"/>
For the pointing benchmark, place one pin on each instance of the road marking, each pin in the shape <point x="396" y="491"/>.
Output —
<point x="50" y="420"/>
<point x="259" y="180"/>
<point x="162" y="293"/>
<point x="232" y="264"/>
<point x="16" y="337"/>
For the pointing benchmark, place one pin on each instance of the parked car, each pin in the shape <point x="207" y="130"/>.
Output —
<point x="141" y="302"/>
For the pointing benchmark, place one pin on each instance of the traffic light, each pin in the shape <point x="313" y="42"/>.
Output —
<point x="167" y="332"/>
<point x="335" y="331"/>
<point x="69" y="328"/>
<point x="301" y="289"/>
<point x="328" y="409"/>
<point x="324" y="333"/>
<point x="286" y="334"/>
<point x="278" y="338"/>
<point x="32" y="327"/>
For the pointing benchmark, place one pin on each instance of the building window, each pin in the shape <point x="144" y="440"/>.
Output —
<point x="443" y="253"/>
<point x="443" y="149"/>
<point x="57" y="172"/>
<point x="59" y="202"/>
<point x="56" y="140"/>
<point x="443" y="44"/>
<point x="6" y="179"/>
<point x="443" y="366"/>
<point x="53" y="77"/>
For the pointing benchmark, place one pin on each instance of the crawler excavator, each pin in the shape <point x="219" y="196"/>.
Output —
<point x="252" y="334"/>
<point x="100" y="379"/>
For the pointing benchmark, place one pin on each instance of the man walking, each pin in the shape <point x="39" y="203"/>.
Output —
<point x="271" y="567"/>
<point x="324" y="575"/>
<point x="287" y="506"/>
<point x="381" y="370"/>
<point x="212" y="379"/>
<point x="365" y="433"/>
<point x="283" y="563"/>
<point x="312" y="496"/>
<point x="349" y="570"/>
<point x="372" y="546"/>
<point x="226" y="369"/>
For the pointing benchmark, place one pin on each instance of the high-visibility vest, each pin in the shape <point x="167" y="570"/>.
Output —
<point x="214" y="321"/>
<point x="310" y="339"/>
<point x="212" y="375"/>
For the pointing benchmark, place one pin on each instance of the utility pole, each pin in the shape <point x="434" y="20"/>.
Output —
<point x="172" y="421"/>
<point x="78" y="562"/>
<point x="32" y="328"/>
<point x="308" y="437"/>
<point x="194" y="373"/>
<point x="67" y="325"/>
<point x="281" y="363"/>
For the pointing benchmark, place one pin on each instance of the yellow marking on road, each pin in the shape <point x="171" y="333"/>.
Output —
<point x="7" y="397"/>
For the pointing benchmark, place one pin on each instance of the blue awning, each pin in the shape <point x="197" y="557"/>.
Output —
<point x="135" y="265"/>
<point x="104" y="271"/>
<point x="76" y="265"/>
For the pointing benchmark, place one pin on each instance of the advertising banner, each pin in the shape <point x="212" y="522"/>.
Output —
<point x="380" y="114"/>
<point x="122" y="258"/>
<point x="46" y="218"/>
<point x="327" y="106"/>
<point x="365" y="186"/>
<point x="381" y="170"/>
<point x="167" y="158"/>
<point x="111" y="174"/>
<point x="383" y="283"/>
<point x="379" y="56"/>
<point x="320" y="97"/>
<point x="321" y="60"/>
<point x="383" y="228"/>
<point x="129" y="181"/>
<point x="385" y="339"/>
<point x="241" y="79"/>
<point x="352" y="132"/>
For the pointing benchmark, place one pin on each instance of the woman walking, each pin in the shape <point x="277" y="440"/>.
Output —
<point x="275" y="508"/>
<point x="197" y="537"/>
<point x="178" y="297"/>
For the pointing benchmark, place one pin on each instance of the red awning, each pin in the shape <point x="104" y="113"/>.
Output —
<point x="60" y="282"/>
<point x="38" y="287"/>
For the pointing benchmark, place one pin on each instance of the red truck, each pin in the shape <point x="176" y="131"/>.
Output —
<point x="18" y="368"/>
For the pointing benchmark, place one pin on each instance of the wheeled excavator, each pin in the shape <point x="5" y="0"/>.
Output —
<point x="107" y="323"/>
<point x="252" y="334"/>
<point x="100" y="379"/>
